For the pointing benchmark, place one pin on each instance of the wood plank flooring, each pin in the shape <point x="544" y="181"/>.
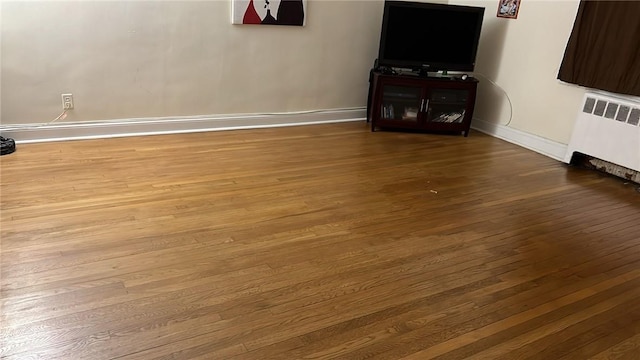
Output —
<point x="314" y="242"/>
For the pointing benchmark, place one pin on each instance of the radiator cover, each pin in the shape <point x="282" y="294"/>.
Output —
<point x="607" y="128"/>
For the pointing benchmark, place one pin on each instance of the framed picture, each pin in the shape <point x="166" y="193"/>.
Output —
<point x="269" y="12"/>
<point x="508" y="8"/>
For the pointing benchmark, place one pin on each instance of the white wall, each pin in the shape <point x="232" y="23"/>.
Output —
<point x="523" y="57"/>
<point x="130" y="59"/>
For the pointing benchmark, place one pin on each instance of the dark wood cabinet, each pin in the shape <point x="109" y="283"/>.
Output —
<point x="439" y="104"/>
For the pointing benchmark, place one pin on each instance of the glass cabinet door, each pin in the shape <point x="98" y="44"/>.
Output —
<point x="400" y="103"/>
<point x="447" y="105"/>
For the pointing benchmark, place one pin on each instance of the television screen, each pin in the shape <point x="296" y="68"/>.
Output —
<point x="430" y="36"/>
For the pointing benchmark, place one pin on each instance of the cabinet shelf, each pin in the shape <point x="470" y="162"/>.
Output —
<point x="441" y="103"/>
<point x="429" y="104"/>
<point x="449" y="117"/>
<point x="401" y="100"/>
<point x="400" y="96"/>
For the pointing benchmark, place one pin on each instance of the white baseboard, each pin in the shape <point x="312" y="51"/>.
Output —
<point x="550" y="148"/>
<point x="172" y="125"/>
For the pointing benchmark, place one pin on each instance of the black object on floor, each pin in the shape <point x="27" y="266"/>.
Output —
<point x="8" y="146"/>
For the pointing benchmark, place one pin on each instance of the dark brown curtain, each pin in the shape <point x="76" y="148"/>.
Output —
<point x="603" y="51"/>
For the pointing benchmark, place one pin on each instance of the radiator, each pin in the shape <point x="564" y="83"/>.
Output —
<point x="607" y="128"/>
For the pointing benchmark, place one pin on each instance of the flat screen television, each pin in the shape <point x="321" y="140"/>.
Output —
<point x="429" y="37"/>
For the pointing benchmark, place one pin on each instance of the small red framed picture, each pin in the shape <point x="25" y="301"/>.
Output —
<point x="508" y="8"/>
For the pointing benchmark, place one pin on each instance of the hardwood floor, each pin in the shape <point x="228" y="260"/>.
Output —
<point x="314" y="242"/>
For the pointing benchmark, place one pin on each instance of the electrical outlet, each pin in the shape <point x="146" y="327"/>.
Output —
<point x="67" y="101"/>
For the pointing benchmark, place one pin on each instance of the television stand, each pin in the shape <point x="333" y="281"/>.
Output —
<point x="437" y="104"/>
<point x="422" y="73"/>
